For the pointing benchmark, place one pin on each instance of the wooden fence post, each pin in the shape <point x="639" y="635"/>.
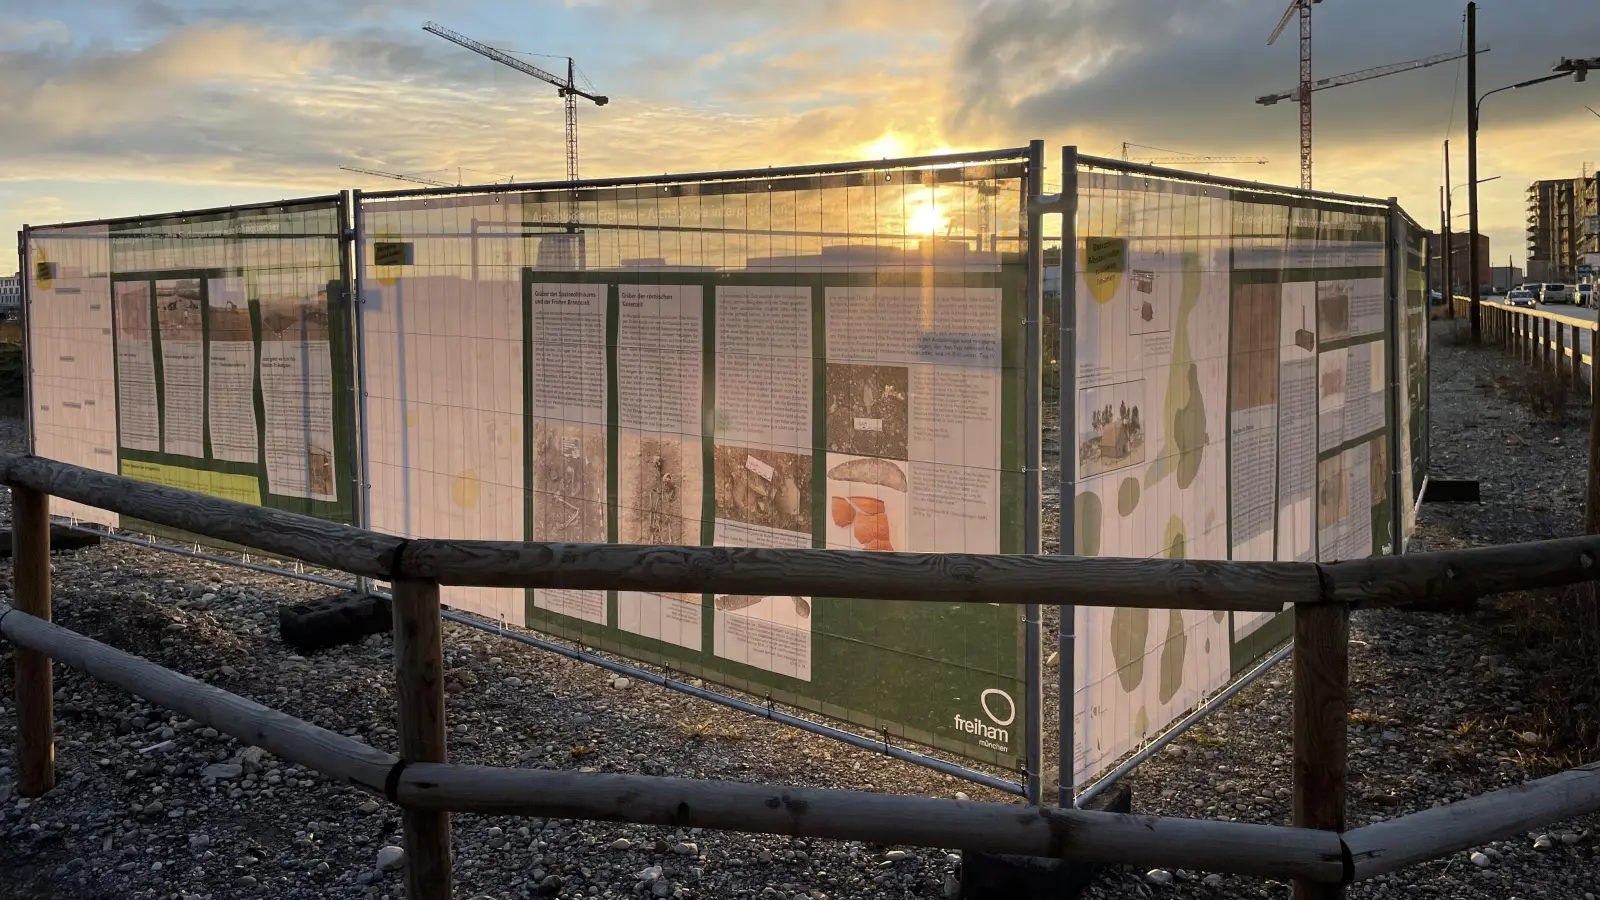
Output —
<point x="1549" y="351"/>
<point x="1591" y="505"/>
<point x="1561" y="353"/>
<point x="1577" y="360"/>
<point x="1321" y="717"/>
<point x="419" y="681"/>
<point x="30" y="568"/>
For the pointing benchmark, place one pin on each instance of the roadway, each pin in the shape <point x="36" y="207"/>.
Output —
<point x="1570" y="312"/>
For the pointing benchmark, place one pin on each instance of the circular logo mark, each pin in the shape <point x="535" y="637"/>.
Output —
<point x="1011" y="707"/>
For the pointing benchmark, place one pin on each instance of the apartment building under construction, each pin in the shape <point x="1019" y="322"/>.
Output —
<point x="1563" y="227"/>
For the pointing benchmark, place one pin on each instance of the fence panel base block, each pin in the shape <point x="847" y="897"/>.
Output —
<point x="1450" y="490"/>
<point x="333" y="621"/>
<point x="994" y="876"/>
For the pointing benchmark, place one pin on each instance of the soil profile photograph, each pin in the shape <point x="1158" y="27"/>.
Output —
<point x="868" y="412"/>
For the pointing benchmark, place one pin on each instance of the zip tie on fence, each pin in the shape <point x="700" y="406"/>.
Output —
<point x="391" y="784"/>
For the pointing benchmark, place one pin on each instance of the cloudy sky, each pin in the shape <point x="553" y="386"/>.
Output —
<point x="114" y="107"/>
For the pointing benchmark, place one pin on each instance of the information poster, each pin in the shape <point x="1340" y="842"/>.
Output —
<point x="72" y="371"/>
<point x="231" y="373"/>
<point x="567" y="370"/>
<point x="763" y="464"/>
<point x="297" y="388"/>
<point x="1151" y="425"/>
<point x="183" y="372"/>
<point x="233" y="362"/>
<point x="138" y="409"/>
<point x="660" y="391"/>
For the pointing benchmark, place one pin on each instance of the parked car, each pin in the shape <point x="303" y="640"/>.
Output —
<point x="1521" y="296"/>
<point x="1585" y="295"/>
<point x="1555" y="292"/>
<point x="1436" y="298"/>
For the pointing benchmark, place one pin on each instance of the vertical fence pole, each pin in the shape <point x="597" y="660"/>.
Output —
<point x="1561" y="353"/>
<point x="1033" y="463"/>
<point x="1321" y="716"/>
<point x="1591" y="505"/>
<point x="26" y="276"/>
<point x="30" y="532"/>
<point x="1066" y="498"/>
<point x="1394" y="324"/>
<point x="1548" y="352"/>
<point x="1577" y="360"/>
<point x="361" y="504"/>
<point x="419" y="681"/>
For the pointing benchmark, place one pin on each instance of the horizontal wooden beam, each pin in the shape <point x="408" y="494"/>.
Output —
<point x="1451" y="577"/>
<point x="1270" y="851"/>
<point x="929" y="577"/>
<point x="1266" y="850"/>
<point x="321" y="543"/>
<point x="1418" y="580"/>
<point x="329" y="753"/>
<point x="1433" y="833"/>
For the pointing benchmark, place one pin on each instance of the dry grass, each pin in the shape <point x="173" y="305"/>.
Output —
<point x="1545" y="395"/>
<point x="709" y="730"/>
<point x="1554" y="638"/>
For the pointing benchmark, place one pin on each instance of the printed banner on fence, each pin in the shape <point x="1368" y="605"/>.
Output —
<point x="830" y="362"/>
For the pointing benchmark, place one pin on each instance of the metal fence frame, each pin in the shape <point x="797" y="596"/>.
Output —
<point x="1035" y="206"/>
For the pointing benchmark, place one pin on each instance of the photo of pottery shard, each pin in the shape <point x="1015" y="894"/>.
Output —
<point x="741" y="602"/>
<point x="1144" y="281"/>
<point x="1333" y="493"/>
<point x="763" y="487"/>
<point x="868" y="409"/>
<point x="866" y="503"/>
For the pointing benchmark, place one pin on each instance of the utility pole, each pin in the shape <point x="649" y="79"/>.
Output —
<point x="1449" y="246"/>
<point x="1472" y="171"/>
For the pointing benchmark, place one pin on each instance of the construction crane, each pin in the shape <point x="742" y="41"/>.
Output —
<point x="1303" y="7"/>
<point x="1181" y="158"/>
<point x="411" y="178"/>
<point x="566" y="88"/>
<point x="1323" y="84"/>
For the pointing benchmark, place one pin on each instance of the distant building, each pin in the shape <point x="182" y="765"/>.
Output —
<point x="1461" y="262"/>
<point x="1506" y="278"/>
<point x="1563" y="226"/>
<point x="10" y="296"/>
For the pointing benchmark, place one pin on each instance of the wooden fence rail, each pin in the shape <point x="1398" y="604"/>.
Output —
<point x="1526" y="334"/>
<point x="1313" y="854"/>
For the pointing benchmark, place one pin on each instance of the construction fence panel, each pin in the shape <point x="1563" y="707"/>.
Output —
<point x="203" y="351"/>
<point x="1229" y="401"/>
<point x="830" y="360"/>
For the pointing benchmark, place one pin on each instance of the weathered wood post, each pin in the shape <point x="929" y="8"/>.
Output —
<point x="30" y="567"/>
<point x="1321" y="717"/>
<point x="1591" y="505"/>
<point x="419" y="681"/>
<point x="1561" y="353"/>
<point x="1577" y="360"/>
<point x="1548" y="351"/>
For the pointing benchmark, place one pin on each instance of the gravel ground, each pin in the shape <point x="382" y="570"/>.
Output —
<point x="154" y="806"/>
<point x="151" y="805"/>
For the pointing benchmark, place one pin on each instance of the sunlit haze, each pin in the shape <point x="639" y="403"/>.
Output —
<point x="112" y="108"/>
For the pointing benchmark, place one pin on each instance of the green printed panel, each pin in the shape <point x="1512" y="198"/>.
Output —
<point x="855" y="412"/>
<point x="233" y="358"/>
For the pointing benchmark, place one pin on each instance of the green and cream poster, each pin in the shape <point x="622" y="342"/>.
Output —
<point x="232" y="358"/>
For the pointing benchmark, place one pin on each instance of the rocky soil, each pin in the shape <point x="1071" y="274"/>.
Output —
<point x="151" y="805"/>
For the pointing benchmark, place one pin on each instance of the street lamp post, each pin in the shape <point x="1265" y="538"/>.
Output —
<point x="1578" y="69"/>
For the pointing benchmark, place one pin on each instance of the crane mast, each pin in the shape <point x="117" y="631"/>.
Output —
<point x="1303" y="7"/>
<point x="567" y="88"/>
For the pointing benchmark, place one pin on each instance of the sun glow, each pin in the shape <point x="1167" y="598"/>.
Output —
<point x="927" y="219"/>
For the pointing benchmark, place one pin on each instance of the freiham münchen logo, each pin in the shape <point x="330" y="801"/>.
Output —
<point x="1001" y="711"/>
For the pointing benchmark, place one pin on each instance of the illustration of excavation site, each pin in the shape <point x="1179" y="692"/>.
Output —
<point x="841" y="474"/>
